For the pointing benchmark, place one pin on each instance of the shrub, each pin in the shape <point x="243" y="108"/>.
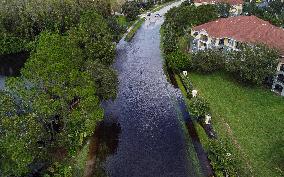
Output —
<point x="198" y="107"/>
<point x="222" y="160"/>
<point x="169" y="39"/>
<point x="274" y="12"/>
<point x="179" y="61"/>
<point x="93" y="36"/>
<point x="11" y="44"/>
<point x="208" y="61"/>
<point x="253" y="64"/>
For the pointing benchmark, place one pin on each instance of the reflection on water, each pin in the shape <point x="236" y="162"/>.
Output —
<point x="151" y="143"/>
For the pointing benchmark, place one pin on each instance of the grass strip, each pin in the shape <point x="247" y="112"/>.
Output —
<point x="133" y="31"/>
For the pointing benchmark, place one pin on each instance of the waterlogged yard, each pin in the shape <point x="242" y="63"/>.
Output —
<point x="250" y="118"/>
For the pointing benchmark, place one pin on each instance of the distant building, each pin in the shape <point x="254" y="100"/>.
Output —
<point x="237" y="5"/>
<point x="229" y="33"/>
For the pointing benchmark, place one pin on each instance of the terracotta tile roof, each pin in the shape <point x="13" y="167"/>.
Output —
<point x="249" y="29"/>
<point x="232" y="2"/>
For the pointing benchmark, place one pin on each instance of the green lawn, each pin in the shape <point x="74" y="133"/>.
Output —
<point x="133" y="31"/>
<point x="255" y="117"/>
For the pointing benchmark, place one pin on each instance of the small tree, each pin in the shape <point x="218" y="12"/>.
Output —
<point x="179" y="61"/>
<point x="131" y="10"/>
<point x="224" y="9"/>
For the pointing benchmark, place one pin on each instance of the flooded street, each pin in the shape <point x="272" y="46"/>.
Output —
<point x="152" y="142"/>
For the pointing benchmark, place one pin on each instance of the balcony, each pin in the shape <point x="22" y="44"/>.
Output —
<point x="282" y="67"/>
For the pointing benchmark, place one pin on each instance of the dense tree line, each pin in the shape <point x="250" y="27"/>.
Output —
<point x="54" y="104"/>
<point x="132" y="9"/>
<point x="273" y="12"/>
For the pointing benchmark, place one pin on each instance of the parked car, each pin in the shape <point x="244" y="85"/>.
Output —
<point x="148" y="13"/>
<point x="158" y="15"/>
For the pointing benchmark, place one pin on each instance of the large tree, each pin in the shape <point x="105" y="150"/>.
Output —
<point x="53" y="105"/>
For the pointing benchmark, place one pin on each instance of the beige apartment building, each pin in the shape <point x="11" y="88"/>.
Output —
<point x="229" y="33"/>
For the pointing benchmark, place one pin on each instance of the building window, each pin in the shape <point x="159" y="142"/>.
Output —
<point x="238" y="45"/>
<point x="213" y="41"/>
<point x="282" y="67"/>
<point x="231" y="42"/>
<point x="221" y="42"/>
<point x="278" y="88"/>
<point x="280" y="78"/>
<point x="203" y="45"/>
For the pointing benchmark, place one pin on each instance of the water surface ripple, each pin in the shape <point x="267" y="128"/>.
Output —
<point x="151" y="143"/>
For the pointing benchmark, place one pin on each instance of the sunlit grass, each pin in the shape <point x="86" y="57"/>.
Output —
<point x="255" y="117"/>
<point x="133" y="31"/>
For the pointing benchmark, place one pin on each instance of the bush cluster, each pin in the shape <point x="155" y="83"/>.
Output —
<point x="208" y="61"/>
<point x="223" y="161"/>
<point x="253" y="64"/>
<point x="179" y="61"/>
<point x="198" y="108"/>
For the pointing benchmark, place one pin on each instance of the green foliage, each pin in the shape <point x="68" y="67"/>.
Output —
<point x="56" y="104"/>
<point x="224" y="163"/>
<point x="169" y="39"/>
<point x="274" y="12"/>
<point x="105" y="79"/>
<point x="11" y="44"/>
<point x="198" y="107"/>
<point x="224" y="9"/>
<point x="187" y="84"/>
<point x="208" y="61"/>
<point x="93" y="36"/>
<point x="252" y="64"/>
<point x="59" y="170"/>
<point x="116" y="27"/>
<point x="22" y="21"/>
<point x="131" y="10"/>
<point x="133" y="31"/>
<point x="18" y="137"/>
<point x="179" y="61"/>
